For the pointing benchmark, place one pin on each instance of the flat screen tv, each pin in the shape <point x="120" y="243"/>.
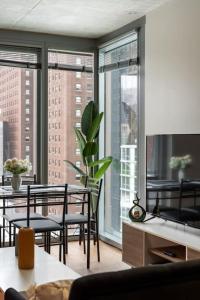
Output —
<point x="173" y="177"/>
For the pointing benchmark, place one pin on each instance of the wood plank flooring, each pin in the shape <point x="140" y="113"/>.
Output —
<point x="111" y="258"/>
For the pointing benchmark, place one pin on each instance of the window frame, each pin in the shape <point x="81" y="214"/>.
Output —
<point x="141" y="118"/>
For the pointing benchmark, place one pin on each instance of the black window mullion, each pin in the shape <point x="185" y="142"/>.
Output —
<point x="119" y="65"/>
<point x="57" y="66"/>
<point x="18" y="64"/>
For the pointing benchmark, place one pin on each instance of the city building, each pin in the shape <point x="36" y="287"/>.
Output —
<point x="69" y="93"/>
<point x="17" y="111"/>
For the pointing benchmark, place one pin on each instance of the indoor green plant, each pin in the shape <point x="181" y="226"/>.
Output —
<point x="87" y="137"/>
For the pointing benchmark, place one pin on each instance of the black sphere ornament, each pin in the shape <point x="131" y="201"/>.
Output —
<point x="137" y="213"/>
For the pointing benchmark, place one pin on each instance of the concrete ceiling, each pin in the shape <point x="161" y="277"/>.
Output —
<point x="84" y="18"/>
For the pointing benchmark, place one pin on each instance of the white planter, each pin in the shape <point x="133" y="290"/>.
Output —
<point x="181" y="174"/>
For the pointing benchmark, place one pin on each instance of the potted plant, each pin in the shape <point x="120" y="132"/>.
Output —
<point x="17" y="167"/>
<point x="87" y="138"/>
<point x="180" y="163"/>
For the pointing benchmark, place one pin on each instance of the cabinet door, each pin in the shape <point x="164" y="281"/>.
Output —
<point x="132" y="246"/>
<point x="192" y="254"/>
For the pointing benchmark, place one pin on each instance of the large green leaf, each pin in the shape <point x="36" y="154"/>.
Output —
<point x="89" y="114"/>
<point x="94" y="129"/>
<point x="99" y="174"/>
<point x="81" y="142"/>
<point x="91" y="148"/>
<point x="100" y="161"/>
<point x="75" y="167"/>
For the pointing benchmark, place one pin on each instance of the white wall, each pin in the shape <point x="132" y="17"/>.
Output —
<point x="172" y="68"/>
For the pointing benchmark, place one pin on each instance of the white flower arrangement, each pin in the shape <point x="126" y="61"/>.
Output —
<point x="17" y="166"/>
<point x="180" y="162"/>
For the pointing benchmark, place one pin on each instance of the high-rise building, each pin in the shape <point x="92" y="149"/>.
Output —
<point x="69" y="93"/>
<point x="17" y="109"/>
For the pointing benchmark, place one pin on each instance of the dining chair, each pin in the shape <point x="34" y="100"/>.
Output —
<point x="81" y="219"/>
<point x="188" y="208"/>
<point x="8" y="214"/>
<point x="45" y="196"/>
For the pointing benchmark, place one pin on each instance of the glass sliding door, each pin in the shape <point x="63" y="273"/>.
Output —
<point x="119" y="80"/>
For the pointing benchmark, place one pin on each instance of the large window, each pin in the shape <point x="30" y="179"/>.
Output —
<point x="18" y="104"/>
<point x="68" y="95"/>
<point x="119" y="83"/>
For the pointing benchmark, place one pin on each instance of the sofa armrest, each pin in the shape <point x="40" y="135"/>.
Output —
<point x="12" y="294"/>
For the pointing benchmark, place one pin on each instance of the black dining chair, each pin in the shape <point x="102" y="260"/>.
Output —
<point x="8" y="214"/>
<point x="45" y="196"/>
<point x="188" y="208"/>
<point x="82" y="218"/>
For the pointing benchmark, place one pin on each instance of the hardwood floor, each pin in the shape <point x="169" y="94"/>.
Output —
<point x="111" y="258"/>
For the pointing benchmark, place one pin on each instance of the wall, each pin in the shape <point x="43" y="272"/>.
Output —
<point x="172" y="68"/>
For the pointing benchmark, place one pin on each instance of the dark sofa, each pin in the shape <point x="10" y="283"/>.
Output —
<point x="174" y="281"/>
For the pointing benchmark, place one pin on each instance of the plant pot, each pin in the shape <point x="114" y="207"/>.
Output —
<point x="16" y="181"/>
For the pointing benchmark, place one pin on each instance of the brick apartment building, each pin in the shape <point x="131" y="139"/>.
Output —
<point x="69" y="92"/>
<point x="17" y="110"/>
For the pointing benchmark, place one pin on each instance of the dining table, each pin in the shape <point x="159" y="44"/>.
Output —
<point x="7" y="193"/>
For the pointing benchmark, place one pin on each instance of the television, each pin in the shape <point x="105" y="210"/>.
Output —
<point x="173" y="177"/>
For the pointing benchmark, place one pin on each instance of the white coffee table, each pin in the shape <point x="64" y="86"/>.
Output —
<point x="47" y="269"/>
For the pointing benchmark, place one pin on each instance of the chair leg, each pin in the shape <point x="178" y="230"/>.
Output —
<point x="97" y="237"/>
<point x="48" y="242"/>
<point x="14" y="235"/>
<point x="4" y="211"/>
<point x="4" y="228"/>
<point x="34" y="209"/>
<point x="45" y="242"/>
<point x="80" y="233"/>
<point x="60" y="246"/>
<point x="84" y="247"/>
<point x="66" y="239"/>
<point x="64" y="244"/>
<point x="10" y="233"/>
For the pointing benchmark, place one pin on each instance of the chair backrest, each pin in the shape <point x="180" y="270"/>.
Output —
<point x="26" y="179"/>
<point x="47" y="195"/>
<point x="95" y="188"/>
<point x="188" y="189"/>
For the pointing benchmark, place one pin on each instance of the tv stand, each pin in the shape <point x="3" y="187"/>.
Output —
<point x="158" y="241"/>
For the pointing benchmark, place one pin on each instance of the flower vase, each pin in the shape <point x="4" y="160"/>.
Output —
<point x="181" y="175"/>
<point x="16" y="182"/>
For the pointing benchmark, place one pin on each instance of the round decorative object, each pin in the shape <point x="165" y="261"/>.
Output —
<point x="16" y="182"/>
<point x="137" y="213"/>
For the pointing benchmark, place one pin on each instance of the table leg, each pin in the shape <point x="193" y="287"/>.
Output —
<point x="4" y="223"/>
<point x="88" y="233"/>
